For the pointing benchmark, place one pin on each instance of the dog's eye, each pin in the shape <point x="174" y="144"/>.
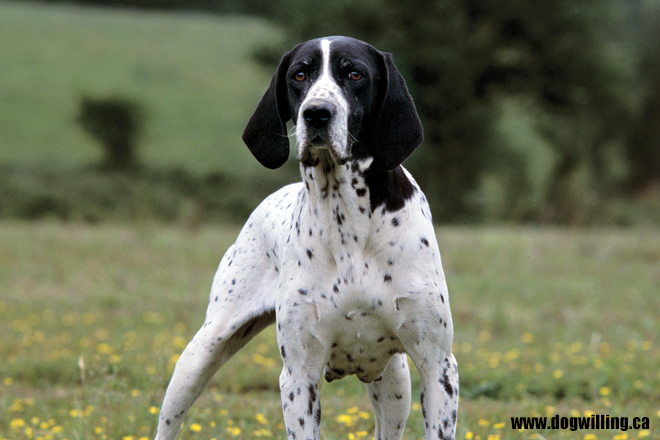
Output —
<point x="355" y="76"/>
<point x="300" y="76"/>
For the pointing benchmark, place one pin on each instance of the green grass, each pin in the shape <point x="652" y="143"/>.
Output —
<point x="548" y="321"/>
<point x="193" y="74"/>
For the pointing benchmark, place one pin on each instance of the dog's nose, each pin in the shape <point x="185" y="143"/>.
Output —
<point x="318" y="114"/>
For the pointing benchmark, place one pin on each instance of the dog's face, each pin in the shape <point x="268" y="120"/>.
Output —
<point x="343" y="95"/>
<point x="331" y="86"/>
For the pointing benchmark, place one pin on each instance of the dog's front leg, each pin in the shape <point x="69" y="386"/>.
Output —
<point x="303" y="358"/>
<point x="390" y="398"/>
<point x="301" y="405"/>
<point x="439" y="398"/>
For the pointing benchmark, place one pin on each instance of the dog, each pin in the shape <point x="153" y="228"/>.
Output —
<point x="345" y="262"/>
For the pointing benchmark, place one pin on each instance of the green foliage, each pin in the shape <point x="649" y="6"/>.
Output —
<point x="468" y="62"/>
<point x="547" y="322"/>
<point x="502" y="143"/>
<point x="191" y="74"/>
<point x="115" y="123"/>
<point x="106" y="195"/>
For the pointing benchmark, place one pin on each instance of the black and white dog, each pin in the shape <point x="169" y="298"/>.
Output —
<point x="345" y="262"/>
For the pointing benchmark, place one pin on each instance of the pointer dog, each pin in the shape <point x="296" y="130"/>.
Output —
<point x="345" y="263"/>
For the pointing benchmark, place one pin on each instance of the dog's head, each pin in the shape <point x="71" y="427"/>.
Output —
<point x="343" y="95"/>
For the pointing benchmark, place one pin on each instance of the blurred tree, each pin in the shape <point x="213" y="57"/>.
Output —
<point x="643" y="147"/>
<point x="461" y="56"/>
<point x="254" y="7"/>
<point x="116" y="124"/>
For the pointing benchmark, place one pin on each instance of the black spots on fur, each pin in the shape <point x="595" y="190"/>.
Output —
<point x="424" y="241"/>
<point x="389" y="188"/>
<point x="361" y="192"/>
<point x="395" y="222"/>
<point x="301" y="420"/>
<point x="387" y="278"/>
<point x="375" y="397"/>
<point x="444" y="381"/>
<point x="283" y="352"/>
<point x="303" y="292"/>
<point x="422" y="397"/>
<point x="335" y="288"/>
<point x="317" y="416"/>
<point x="339" y="216"/>
<point x="310" y="254"/>
<point x="398" y="397"/>
<point x="442" y="298"/>
<point x="381" y="339"/>
<point x="292" y="397"/>
<point x="312" y="393"/>
<point x="168" y="422"/>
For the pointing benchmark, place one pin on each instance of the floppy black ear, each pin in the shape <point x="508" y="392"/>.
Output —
<point x="265" y="134"/>
<point x="397" y="131"/>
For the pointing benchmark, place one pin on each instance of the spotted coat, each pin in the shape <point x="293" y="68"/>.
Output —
<point x="346" y="262"/>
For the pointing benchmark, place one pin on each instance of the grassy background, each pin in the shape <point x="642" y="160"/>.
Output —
<point x="196" y="79"/>
<point x="547" y="321"/>
<point x="193" y="74"/>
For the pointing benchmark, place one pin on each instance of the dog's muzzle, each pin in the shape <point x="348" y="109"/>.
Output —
<point x="318" y="115"/>
<point x="321" y="126"/>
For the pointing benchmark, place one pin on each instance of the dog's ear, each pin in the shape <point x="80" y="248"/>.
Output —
<point x="397" y="130"/>
<point x="265" y="134"/>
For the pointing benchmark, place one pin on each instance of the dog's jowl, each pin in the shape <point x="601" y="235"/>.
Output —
<point x="345" y="262"/>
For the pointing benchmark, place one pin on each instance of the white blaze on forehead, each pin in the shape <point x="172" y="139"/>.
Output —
<point x="325" y="50"/>
<point x="325" y="88"/>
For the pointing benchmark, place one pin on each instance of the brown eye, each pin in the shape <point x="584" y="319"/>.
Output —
<point x="355" y="76"/>
<point x="300" y="76"/>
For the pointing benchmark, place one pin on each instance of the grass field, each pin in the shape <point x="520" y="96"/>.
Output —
<point x="548" y="321"/>
<point x="193" y="74"/>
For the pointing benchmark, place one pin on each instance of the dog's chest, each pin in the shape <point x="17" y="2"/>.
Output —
<point x="362" y="344"/>
<point x="357" y="319"/>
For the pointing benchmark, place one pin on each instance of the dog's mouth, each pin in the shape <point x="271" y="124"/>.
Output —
<point x="310" y="152"/>
<point x="319" y="140"/>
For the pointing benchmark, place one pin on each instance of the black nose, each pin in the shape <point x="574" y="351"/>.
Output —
<point x="318" y="114"/>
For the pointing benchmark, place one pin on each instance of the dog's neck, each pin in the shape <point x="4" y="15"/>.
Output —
<point x="339" y="197"/>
